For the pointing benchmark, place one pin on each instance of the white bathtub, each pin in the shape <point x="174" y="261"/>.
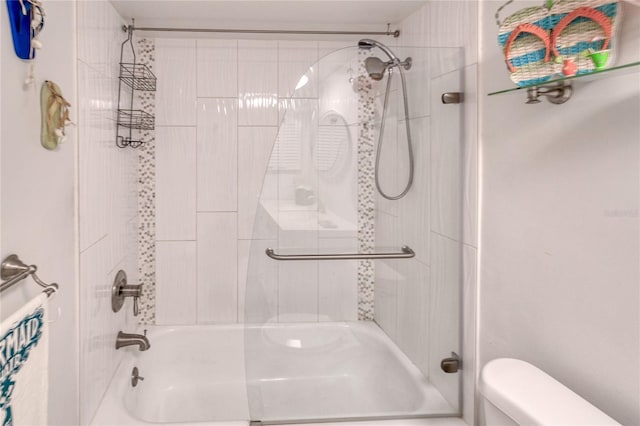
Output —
<point x="196" y="375"/>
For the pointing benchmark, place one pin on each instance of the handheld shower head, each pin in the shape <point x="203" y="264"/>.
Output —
<point x="367" y="43"/>
<point x="376" y="67"/>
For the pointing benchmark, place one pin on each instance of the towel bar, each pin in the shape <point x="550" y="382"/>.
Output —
<point x="14" y="270"/>
<point x="406" y="253"/>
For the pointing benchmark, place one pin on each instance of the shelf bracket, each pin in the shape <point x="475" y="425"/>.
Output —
<point x="556" y="94"/>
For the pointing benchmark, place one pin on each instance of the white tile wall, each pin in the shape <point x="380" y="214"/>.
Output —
<point x="419" y="105"/>
<point x="443" y="33"/>
<point x="217" y="246"/>
<point x="107" y="202"/>
<point x="447" y="168"/>
<point x="92" y="156"/>
<point x="261" y="290"/>
<point x="254" y="149"/>
<point x="337" y="282"/>
<point x="326" y="48"/>
<point x="175" y="183"/>
<point x="175" y="68"/>
<point x="413" y="312"/>
<point x="258" y="82"/>
<point x="298" y="281"/>
<point x="217" y="72"/>
<point x="94" y="368"/>
<point x="339" y="195"/>
<point x="217" y="155"/>
<point x="99" y="37"/>
<point x="294" y="58"/>
<point x="386" y="274"/>
<point x="176" y="286"/>
<point x="386" y="296"/>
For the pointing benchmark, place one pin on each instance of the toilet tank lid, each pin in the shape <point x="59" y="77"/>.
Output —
<point x="532" y="397"/>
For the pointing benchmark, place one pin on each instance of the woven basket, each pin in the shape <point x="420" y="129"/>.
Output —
<point x="537" y="42"/>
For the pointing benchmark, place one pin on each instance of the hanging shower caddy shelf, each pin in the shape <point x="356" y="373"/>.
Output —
<point x="138" y="77"/>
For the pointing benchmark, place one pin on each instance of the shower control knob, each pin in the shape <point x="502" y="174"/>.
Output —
<point x="120" y="290"/>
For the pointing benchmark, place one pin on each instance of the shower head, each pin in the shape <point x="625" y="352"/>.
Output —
<point x="377" y="67"/>
<point x="367" y="43"/>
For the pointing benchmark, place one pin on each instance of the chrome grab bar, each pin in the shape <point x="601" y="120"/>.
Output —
<point x="406" y="253"/>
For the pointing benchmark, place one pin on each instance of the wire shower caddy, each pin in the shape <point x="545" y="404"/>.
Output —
<point x="139" y="78"/>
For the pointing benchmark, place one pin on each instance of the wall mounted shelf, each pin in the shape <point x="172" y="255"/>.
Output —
<point x="557" y="90"/>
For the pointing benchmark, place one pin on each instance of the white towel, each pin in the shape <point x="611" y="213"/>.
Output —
<point x="24" y="362"/>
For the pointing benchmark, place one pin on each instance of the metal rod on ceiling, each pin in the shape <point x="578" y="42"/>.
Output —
<point x="395" y="33"/>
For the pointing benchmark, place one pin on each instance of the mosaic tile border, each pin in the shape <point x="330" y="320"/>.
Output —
<point x="366" y="189"/>
<point x="147" y="196"/>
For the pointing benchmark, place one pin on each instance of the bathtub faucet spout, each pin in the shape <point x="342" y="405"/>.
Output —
<point x="128" y="339"/>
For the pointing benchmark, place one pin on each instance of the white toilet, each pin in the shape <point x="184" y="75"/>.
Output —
<point x="515" y="392"/>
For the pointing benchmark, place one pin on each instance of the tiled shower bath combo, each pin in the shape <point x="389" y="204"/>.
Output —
<point x="263" y="151"/>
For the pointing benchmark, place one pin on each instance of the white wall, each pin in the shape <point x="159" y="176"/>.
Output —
<point x="38" y="196"/>
<point x="419" y="303"/>
<point x="560" y="227"/>
<point x="108" y="209"/>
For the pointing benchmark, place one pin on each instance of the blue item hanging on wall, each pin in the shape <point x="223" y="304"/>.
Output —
<point x="20" y="17"/>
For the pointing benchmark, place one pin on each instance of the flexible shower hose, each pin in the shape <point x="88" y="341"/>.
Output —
<point x="381" y="137"/>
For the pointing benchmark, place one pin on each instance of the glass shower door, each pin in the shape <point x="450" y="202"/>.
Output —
<point x="353" y="339"/>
